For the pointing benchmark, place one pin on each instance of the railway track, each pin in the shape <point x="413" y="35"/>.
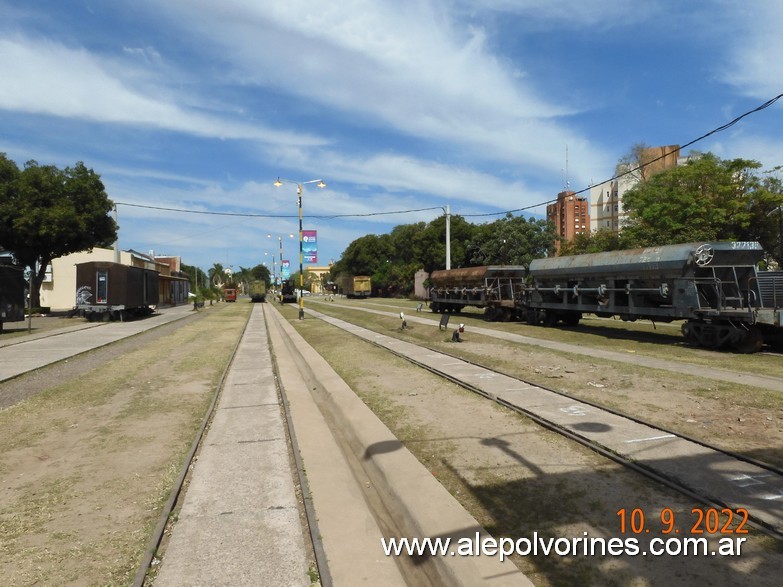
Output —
<point x="712" y="476"/>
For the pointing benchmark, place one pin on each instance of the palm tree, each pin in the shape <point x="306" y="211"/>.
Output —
<point x="217" y="275"/>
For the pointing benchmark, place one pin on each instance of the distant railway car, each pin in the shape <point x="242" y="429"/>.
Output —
<point x="257" y="291"/>
<point x="230" y="294"/>
<point x="115" y="291"/>
<point x="11" y="293"/>
<point x="359" y="286"/>
<point x="287" y="292"/>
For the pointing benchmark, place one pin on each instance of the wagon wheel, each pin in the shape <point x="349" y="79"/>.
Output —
<point x="751" y="342"/>
<point x="532" y="317"/>
<point x="704" y="255"/>
<point x="689" y="332"/>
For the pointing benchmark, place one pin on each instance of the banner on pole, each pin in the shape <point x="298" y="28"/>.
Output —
<point x="310" y="246"/>
<point x="286" y="270"/>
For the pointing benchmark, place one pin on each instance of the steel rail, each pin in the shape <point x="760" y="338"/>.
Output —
<point x="647" y="471"/>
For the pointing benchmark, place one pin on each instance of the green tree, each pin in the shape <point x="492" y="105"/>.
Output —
<point x="768" y="214"/>
<point x="432" y="254"/>
<point x="310" y="280"/>
<point x="46" y="213"/>
<point x="604" y="239"/>
<point x="704" y="200"/>
<point x="364" y="255"/>
<point x="197" y="277"/>
<point x="512" y="240"/>
<point x="217" y="275"/>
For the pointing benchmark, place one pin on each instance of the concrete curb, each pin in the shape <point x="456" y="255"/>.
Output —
<point x="418" y="504"/>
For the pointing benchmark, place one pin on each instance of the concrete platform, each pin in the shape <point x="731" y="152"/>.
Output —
<point x="240" y="524"/>
<point x="21" y="354"/>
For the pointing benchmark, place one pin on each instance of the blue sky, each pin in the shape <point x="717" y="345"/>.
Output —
<point x="398" y="105"/>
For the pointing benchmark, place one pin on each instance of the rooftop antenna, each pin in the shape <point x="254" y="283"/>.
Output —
<point x="567" y="183"/>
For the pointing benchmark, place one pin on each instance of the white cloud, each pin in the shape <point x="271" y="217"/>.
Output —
<point x="754" y="45"/>
<point x="406" y="67"/>
<point x="567" y="14"/>
<point x="46" y="77"/>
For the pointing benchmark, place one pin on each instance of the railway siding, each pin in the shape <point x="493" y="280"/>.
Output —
<point x="716" y="476"/>
<point x="405" y="498"/>
<point x="771" y="382"/>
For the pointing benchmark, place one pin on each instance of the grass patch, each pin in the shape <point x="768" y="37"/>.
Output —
<point x="101" y="452"/>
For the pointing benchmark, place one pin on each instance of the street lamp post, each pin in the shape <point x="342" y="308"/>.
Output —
<point x="447" y="212"/>
<point x="280" y="247"/>
<point x="320" y="184"/>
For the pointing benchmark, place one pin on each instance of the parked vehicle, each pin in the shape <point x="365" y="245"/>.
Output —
<point x="230" y="294"/>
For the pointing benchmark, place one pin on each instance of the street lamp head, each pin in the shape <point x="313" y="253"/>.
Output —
<point x="278" y="183"/>
<point x="321" y="184"/>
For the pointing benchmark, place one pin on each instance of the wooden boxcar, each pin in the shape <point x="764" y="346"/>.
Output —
<point x="114" y="291"/>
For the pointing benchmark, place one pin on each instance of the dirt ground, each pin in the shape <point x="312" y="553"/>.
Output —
<point x="87" y="461"/>
<point x="519" y="479"/>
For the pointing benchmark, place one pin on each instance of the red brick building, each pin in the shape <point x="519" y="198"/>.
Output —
<point x="570" y="214"/>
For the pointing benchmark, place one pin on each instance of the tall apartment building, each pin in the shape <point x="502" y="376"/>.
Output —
<point x="570" y="214"/>
<point x="606" y="199"/>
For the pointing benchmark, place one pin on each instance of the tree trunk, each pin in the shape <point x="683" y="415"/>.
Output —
<point x="37" y="278"/>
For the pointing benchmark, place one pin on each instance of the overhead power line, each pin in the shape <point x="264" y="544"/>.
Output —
<point x="729" y="124"/>
<point x="251" y="215"/>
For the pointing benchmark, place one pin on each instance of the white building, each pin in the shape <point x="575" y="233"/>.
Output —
<point x="606" y="203"/>
<point x="606" y="199"/>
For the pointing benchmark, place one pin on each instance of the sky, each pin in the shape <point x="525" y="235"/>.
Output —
<point x="189" y="110"/>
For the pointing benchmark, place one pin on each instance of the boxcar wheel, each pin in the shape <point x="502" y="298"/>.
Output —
<point x="751" y="342"/>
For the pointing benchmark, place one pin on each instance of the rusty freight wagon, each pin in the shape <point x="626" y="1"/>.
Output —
<point x="496" y="288"/>
<point x="112" y="291"/>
